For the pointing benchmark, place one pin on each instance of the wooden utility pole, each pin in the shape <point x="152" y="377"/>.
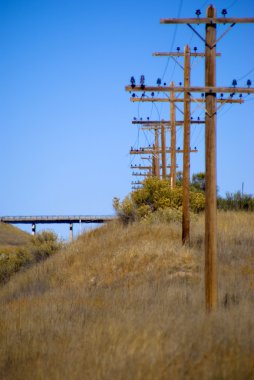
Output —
<point x="210" y="90"/>
<point x="210" y="140"/>
<point x="172" y="139"/>
<point x="153" y="164"/>
<point x="163" y="151"/>
<point x="210" y="162"/>
<point x="156" y="154"/>
<point x="186" y="154"/>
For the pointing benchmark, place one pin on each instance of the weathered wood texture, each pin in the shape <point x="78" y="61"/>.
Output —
<point x="173" y="139"/>
<point x="163" y="151"/>
<point x="210" y="142"/>
<point x="186" y="153"/>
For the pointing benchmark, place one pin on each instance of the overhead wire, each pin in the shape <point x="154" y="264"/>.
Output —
<point x="192" y="134"/>
<point x="232" y="4"/>
<point x="248" y="73"/>
<point x="154" y="106"/>
<point x="174" y="37"/>
<point x="200" y="136"/>
<point x="172" y="44"/>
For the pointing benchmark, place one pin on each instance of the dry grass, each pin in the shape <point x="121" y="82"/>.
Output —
<point x="11" y="236"/>
<point x="127" y="303"/>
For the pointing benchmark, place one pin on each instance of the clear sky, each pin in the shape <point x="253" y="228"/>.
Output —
<point x="65" y="117"/>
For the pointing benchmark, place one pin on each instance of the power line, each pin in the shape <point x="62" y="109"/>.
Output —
<point x="232" y="4"/>
<point x="174" y="37"/>
<point x="248" y="73"/>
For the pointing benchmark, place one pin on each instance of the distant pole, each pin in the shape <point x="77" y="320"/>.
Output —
<point x="157" y="160"/>
<point x="210" y="141"/>
<point x="163" y="151"/>
<point x="172" y="138"/>
<point x="186" y="153"/>
<point x="153" y="162"/>
<point x="242" y="188"/>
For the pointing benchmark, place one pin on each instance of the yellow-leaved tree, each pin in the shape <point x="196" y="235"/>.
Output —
<point x="156" y="200"/>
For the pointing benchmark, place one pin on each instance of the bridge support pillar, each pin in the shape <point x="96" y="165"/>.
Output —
<point x="33" y="229"/>
<point x="71" y="231"/>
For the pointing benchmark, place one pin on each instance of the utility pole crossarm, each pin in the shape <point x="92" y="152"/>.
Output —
<point x="205" y="89"/>
<point x="151" y="151"/>
<point x="208" y="20"/>
<point x="140" y="174"/>
<point x="181" y="100"/>
<point x="144" y="167"/>
<point x="140" y="167"/>
<point x="151" y="123"/>
<point x="174" y="54"/>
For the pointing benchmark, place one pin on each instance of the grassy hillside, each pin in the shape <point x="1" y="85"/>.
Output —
<point x="12" y="236"/>
<point x="19" y="250"/>
<point x="127" y="303"/>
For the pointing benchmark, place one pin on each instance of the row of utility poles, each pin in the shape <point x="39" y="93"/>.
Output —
<point x="210" y="104"/>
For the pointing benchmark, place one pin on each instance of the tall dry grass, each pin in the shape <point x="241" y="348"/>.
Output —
<point x="128" y="303"/>
<point x="11" y="236"/>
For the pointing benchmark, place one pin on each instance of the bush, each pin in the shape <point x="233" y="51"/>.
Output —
<point x="166" y="215"/>
<point x="44" y="245"/>
<point x="236" y="201"/>
<point x="13" y="259"/>
<point x="155" y="196"/>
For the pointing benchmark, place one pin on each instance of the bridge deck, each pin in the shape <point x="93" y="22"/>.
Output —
<point x="56" y="219"/>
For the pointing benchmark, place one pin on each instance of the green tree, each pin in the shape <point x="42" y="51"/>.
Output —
<point x="198" y="181"/>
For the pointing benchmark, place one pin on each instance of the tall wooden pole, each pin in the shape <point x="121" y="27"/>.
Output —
<point x="157" y="159"/>
<point x="210" y="91"/>
<point x="210" y="141"/>
<point x="163" y="151"/>
<point x="172" y="139"/>
<point x="186" y="153"/>
<point x="153" y="162"/>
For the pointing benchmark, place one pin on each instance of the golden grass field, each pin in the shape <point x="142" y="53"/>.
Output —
<point x="11" y="236"/>
<point x="127" y="303"/>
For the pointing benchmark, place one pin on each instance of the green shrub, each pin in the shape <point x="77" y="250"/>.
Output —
<point x="236" y="201"/>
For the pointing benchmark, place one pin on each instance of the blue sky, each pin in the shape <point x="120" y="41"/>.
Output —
<point x="65" y="117"/>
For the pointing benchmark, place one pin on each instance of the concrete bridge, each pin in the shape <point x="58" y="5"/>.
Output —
<point x="70" y="219"/>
